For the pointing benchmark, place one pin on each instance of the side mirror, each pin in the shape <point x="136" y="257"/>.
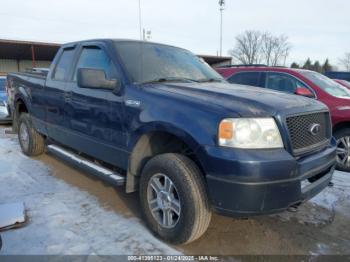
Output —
<point x="302" y="91"/>
<point x="96" y="78"/>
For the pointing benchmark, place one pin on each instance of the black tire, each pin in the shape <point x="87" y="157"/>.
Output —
<point x="190" y="188"/>
<point x="34" y="145"/>
<point x="340" y="135"/>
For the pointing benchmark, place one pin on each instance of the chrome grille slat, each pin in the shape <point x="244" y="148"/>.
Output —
<point x="301" y="139"/>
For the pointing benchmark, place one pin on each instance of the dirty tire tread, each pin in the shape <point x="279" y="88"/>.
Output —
<point x="203" y="219"/>
<point x="338" y="134"/>
<point x="191" y="176"/>
<point x="36" y="140"/>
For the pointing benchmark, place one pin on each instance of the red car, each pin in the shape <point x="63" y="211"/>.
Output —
<point x="343" y="83"/>
<point x="305" y="83"/>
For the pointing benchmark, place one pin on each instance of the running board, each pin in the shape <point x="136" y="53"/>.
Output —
<point x="82" y="163"/>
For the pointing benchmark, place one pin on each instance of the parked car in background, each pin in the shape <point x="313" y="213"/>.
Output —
<point x="343" y="83"/>
<point x="172" y="128"/>
<point x="304" y="83"/>
<point x="338" y="75"/>
<point x="5" y="116"/>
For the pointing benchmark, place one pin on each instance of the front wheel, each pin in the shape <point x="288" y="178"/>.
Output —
<point x="174" y="198"/>
<point x="343" y="149"/>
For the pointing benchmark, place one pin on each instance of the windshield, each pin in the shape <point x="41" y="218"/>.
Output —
<point x="2" y="84"/>
<point x="327" y="84"/>
<point x="147" y="62"/>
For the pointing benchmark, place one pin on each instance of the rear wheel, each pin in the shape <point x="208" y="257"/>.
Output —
<point x="32" y="143"/>
<point x="343" y="149"/>
<point x="174" y="199"/>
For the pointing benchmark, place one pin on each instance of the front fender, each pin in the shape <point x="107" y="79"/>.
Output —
<point x="169" y="128"/>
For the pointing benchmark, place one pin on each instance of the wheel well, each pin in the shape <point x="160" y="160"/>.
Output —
<point x="340" y="126"/>
<point x="150" y="145"/>
<point x="20" y="107"/>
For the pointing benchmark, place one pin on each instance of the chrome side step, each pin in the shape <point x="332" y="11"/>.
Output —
<point x="80" y="162"/>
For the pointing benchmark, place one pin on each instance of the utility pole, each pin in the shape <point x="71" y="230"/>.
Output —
<point x="222" y="7"/>
<point x="140" y="23"/>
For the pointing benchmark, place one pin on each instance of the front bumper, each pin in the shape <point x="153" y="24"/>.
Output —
<point x="5" y="116"/>
<point x="260" y="182"/>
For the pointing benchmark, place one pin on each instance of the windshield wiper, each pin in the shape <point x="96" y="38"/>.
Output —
<point x="169" y="79"/>
<point x="210" y="80"/>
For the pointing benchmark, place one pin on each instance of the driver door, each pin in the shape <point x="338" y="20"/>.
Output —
<point x="87" y="110"/>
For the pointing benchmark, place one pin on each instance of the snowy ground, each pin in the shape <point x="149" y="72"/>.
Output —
<point x="70" y="213"/>
<point x="62" y="218"/>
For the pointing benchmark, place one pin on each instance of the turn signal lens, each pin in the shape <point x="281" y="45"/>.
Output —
<point x="226" y="130"/>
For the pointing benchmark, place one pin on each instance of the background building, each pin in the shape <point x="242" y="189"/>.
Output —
<point x="18" y="56"/>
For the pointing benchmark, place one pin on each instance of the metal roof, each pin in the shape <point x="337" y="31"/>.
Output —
<point x="212" y="59"/>
<point x="22" y="50"/>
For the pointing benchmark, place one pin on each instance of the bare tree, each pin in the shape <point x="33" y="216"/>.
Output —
<point x="275" y="49"/>
<point x="345" y="61"/>
<point x="247" y="49"/>
<point x="254" y="47"/>
<point x="281" y="50"/>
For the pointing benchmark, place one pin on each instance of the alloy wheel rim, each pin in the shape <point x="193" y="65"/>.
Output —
<point x="163" y="200"/>
<point x="24" y="136"/>
<point x="343" y="151"/>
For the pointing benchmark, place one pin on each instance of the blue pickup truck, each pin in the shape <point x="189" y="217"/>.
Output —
<point x="157" y="119"/>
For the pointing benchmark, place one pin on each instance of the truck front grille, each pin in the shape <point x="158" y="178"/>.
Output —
<point x="309" y="132"/>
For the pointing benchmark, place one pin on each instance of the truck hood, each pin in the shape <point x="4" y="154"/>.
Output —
<point x="247" y="101"/>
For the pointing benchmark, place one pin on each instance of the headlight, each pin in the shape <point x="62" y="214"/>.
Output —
<point x="249" y="133"/>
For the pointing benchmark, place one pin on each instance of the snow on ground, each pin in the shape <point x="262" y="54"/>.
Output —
<point x="321" y="209"/>
<point x="62" y="218"/>
<point x="66" y="220"/>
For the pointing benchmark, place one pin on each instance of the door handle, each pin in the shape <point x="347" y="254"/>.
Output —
<point x="52" y="110"/>
<point x="68" y="96"/>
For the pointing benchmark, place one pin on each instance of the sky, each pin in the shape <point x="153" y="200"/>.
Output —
<point x="318" y="29"/>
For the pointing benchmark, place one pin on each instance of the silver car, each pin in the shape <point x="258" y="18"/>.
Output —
<point x="5" y="116"/>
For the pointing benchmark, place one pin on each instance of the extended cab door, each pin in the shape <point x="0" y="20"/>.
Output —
<point x="55" y="93"/>
<point x="88" y="114"/>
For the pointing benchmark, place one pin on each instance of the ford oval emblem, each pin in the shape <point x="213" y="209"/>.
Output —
<point x="315" y="129"/>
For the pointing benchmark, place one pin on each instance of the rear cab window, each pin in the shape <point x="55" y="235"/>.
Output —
<point x="64" y="63"/>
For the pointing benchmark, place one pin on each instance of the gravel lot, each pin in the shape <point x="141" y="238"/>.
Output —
<point x="72" y="213"/>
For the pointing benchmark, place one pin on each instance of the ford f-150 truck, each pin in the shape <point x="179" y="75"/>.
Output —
<point x="160" y="121"/>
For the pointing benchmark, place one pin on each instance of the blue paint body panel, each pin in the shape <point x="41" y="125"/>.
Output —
<point x="107" y="126"/>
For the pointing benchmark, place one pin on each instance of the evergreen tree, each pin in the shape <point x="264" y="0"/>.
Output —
<point x="317" y="67"/>
<point x="294" y="65"/>
<point x="326" y="66"/>
<point x="308" y="64"/>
